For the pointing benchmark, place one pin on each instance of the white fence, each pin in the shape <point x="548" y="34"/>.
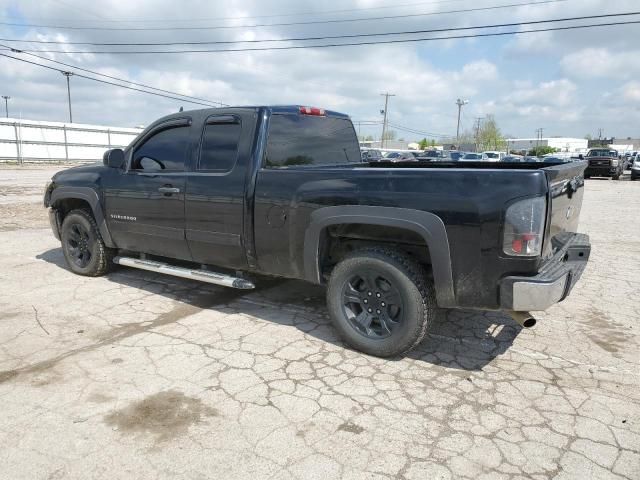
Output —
<point x="33" y="141"/>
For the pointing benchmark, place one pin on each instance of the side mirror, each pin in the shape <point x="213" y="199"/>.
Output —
<point x="581" y="157"/>
<point x="113" y="158"/>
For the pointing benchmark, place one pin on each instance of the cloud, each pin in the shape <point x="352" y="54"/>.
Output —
<point x="524" y="90"/>
<point x="601" y="62"/>
<point x="480" y="70"/>
<point x="558" y="93"/>
<point x="631" y="92"/>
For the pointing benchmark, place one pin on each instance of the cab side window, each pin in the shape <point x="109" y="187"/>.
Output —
<point x="163" y="151"/>
<point x="219" y="148"/>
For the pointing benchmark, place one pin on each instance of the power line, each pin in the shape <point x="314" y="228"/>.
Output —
<point x="419" y="132"/>
<point x="309" y="22"/>
<point x="114" y="78"/>
<point x="104" y="81"/>
<point x="325" y="37"/>
<point x="349" y="44"/>
<point x="324" y="12"/>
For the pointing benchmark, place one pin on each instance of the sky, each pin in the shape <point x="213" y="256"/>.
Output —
<point x="569" y="83"/>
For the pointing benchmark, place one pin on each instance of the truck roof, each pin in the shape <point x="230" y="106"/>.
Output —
<point x="291" y="109"/>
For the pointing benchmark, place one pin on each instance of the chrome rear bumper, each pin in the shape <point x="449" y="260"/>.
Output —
<point x="552" y="284"/>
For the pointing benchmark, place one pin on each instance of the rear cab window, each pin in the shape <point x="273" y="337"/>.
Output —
<point x="309" y="141"/>
<point x="220" y="143"/>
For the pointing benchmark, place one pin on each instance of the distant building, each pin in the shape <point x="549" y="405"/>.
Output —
<point x="561" y="144"/>
<point x="629" y="143"/>
<point x="388" y="144"/>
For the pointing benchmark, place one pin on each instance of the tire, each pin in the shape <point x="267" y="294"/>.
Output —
<point x="83" y="247"/>
<point x="616" y="177"/>
<point x="362" y="282"/>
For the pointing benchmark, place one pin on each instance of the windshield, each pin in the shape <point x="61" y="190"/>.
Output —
<point x="602" y="153"/>
<point x="472" y="156"/>
<point x="492" y="155"/>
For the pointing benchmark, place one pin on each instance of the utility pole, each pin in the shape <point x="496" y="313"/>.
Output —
<point x="68" y="74"/>
<point x="6" y="104"/>
<point x="478" y="120"/>
<point x="600" y="134"/>
<point x="539" y="136"/>
<point x="384" y="122"/>
<point x="460" y="103"/>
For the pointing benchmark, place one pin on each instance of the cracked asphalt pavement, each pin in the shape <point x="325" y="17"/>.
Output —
<point x="139" y="375"/>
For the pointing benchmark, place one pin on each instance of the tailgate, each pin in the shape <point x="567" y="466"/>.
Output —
<point x="566" y="189"/>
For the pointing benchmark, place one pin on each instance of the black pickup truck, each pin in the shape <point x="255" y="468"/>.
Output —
<point x="220" y="194"/>
<point x="604" y="162"/>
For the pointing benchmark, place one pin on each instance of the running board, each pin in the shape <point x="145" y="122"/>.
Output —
<point x="200" y="275"/>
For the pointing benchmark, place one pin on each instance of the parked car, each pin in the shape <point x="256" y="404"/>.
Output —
<point x="282" y="191"/>
<point x="513" y="158"/>
<point x="400" y="157"/>
<point x="371" y="155"/>
<point x="635" y="167"/>
<point x="495" y="156"/>
<point x="474" y="157"/>
<point x="454" y="155"/>
<point x="630" y="160"/>
<point x="603" y="162"/>
<point x="432" y="156"/>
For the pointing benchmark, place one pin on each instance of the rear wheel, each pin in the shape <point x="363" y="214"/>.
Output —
<point x="380" y="301"/>
<point x="83" y="247"/>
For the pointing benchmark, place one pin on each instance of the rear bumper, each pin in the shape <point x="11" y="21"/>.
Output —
<point x="552" y="284"/>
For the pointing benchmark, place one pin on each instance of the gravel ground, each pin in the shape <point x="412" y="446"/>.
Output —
<point x="138" y="375"/>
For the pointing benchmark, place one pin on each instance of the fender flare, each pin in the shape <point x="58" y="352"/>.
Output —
<point x="426" y="224"/>
<point x="90" y="196"/>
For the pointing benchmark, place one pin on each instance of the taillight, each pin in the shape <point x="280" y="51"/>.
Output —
<point x="524" y="227"/>
<point x="318" y="112"/>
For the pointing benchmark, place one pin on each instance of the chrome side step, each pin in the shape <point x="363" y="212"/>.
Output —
<point x="200" y="275"/>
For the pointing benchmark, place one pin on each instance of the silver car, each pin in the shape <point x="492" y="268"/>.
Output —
<point x="474" y="157"/>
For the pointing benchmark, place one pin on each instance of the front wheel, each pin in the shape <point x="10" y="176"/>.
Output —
<point x="380" y="301"/>
<point x="83" y="247"/>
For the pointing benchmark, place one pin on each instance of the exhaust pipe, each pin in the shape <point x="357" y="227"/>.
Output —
<point x="524" y="319"/>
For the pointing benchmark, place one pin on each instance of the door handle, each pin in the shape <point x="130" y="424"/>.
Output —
<point x="169" y="190"/>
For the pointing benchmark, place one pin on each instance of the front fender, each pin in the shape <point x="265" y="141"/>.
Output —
<point x="90" y="196"/>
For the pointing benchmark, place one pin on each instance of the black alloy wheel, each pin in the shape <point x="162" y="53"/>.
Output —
<point x="372" y="304"/>
<point x="79" y="245"/>
<point x="82" y="245"/>
<point x="381" y="301"/>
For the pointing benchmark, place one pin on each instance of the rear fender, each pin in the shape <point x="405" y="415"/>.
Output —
<point x="428" y="225"/>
